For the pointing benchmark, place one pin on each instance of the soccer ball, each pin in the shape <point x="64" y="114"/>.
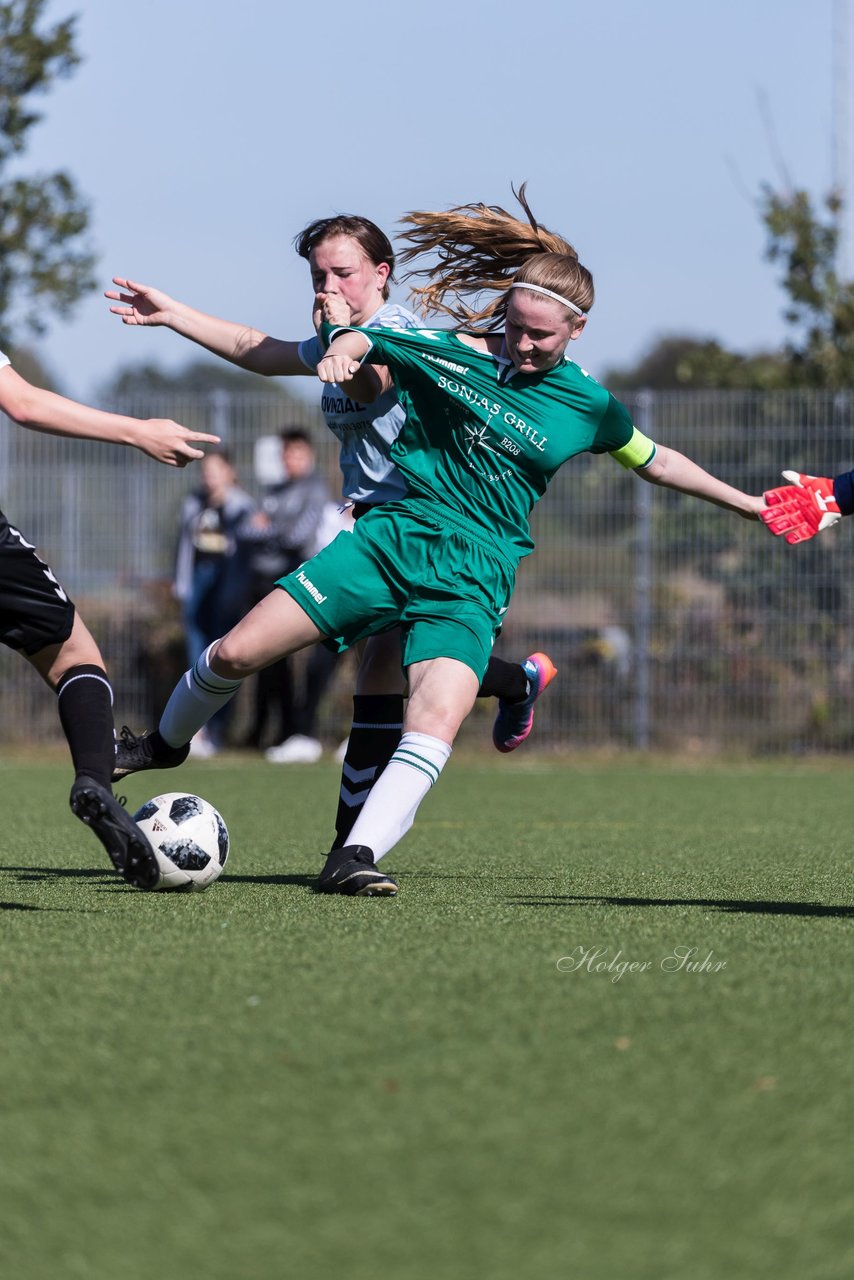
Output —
<point x="189" y="839"/>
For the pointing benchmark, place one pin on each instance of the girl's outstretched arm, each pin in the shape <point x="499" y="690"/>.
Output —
<point x="673" y="470"/>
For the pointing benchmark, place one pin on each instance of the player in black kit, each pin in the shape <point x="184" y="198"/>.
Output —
<point x="39" y="620"/>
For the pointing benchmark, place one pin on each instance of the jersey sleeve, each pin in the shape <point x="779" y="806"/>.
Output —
<point x="4" y="360"/>
<point x="391" y="316"/>
<point x="310" y="352"/>
<point x="394" y="316"/>
<point x="387" y="346"/>
<point x="619" y="436"/>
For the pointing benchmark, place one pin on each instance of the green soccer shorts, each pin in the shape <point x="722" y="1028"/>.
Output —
<point x="413" y="565"/>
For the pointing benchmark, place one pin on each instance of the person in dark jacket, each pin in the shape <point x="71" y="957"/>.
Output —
<point x="210" y="569"/>
<point x="283" y="532"/>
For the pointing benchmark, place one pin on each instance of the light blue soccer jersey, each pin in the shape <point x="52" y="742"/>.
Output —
<point x="4" y="360"/>
<point x="366" y="431"/>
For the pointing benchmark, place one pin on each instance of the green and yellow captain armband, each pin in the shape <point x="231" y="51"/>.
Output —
<point x="639" y="452"/>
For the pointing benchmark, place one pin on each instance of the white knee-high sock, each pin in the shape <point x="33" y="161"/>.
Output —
<point x="197" y="696"/>
<point x="390" y="808"/>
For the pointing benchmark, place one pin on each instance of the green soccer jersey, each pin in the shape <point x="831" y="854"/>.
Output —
<point x="485" y="440"/>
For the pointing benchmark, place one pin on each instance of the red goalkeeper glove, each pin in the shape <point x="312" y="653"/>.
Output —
<point x="801" y="509"/>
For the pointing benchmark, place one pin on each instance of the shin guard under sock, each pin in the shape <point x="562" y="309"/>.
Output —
<point x="198" y="695"/>
<point x="390" y="808"/>
<point x="85" y="704"/>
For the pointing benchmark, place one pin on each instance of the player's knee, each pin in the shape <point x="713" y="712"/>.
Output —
<point x="78" y="650"/>
<point x="438" y="717"/>
<point x="231" y="661"/>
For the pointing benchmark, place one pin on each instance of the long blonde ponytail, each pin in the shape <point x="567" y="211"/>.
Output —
<point x="482" y="249"/>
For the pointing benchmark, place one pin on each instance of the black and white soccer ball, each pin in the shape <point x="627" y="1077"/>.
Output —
<point x="189" y="838"/>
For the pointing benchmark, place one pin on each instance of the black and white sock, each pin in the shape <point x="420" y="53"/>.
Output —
<point x="390" y="808"/>
<point x="376" y="730"/>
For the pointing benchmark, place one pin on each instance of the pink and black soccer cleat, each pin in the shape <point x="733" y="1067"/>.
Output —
<point x="516" y="719"/>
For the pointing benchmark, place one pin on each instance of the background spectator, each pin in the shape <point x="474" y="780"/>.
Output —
<point x="210" y="570"/>
<point x="283" y="532"/>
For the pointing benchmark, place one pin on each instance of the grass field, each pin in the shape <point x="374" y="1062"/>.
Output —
<point x="261" y="1082"/>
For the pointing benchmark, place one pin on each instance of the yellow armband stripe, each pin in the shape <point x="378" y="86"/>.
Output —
<point x="639" y="452"/>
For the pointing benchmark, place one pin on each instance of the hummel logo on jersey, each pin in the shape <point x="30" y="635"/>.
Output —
<point x="446" y="364"/>
<point x="310" y="587"/>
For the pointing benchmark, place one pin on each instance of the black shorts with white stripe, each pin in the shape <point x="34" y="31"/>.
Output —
<point x="34" y="609"/>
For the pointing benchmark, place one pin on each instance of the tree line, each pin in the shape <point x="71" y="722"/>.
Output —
<point x="47" y="261"/>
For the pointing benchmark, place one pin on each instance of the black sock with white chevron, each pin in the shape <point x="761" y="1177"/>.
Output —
<point x="377" y="726"/>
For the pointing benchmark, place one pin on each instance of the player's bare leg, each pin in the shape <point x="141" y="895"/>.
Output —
<point x="75" y="669"/>
<point x="276" y="627"/>
<point x="442" y="691"/>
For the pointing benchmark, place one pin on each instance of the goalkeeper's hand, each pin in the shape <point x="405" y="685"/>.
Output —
<point x="799" y="510"/>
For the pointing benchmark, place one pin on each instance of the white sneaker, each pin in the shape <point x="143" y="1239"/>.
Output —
<point x="201" y="747"/>
<point x="297" y="749"/>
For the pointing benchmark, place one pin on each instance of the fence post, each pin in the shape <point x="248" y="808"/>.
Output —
<point x="220" y="403"/>
<point x="72" y="561"/>
<point x="645" y="422"/>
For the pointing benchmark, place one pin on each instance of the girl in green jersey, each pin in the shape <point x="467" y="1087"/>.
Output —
<point x="352" y="265"/>
<point x="493" y="409"/>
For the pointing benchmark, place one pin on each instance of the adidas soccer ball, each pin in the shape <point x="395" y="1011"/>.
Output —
<point x="189" y="838"/>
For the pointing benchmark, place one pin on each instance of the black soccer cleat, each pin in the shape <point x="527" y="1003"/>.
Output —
<point x="134" y="753"/>
<point x="129" y="850"/>
<point x="352" y="870"/>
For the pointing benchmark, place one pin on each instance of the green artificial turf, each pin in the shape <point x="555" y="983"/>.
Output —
<point x="259" y="1082"/>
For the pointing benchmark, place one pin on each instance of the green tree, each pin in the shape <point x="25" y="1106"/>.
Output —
<point x="820" y="310"/>
<point x="681" y="363"/>
<point x="30" y="365"/>
<point x="43" y="259"/>
<point x="804" y="241"/>
<point x="195" y="377"/>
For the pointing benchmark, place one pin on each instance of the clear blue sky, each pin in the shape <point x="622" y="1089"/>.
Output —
<point x="205" y="135"/>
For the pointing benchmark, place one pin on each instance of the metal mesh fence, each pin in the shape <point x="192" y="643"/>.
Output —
<point x="674" y="625"/>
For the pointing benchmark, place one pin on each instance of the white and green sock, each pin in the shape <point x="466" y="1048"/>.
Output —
<point x="390" y="808"/>
<point x="197" y="696"/>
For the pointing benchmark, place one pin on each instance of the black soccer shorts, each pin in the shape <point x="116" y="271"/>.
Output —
<point x="34" y="610"/>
